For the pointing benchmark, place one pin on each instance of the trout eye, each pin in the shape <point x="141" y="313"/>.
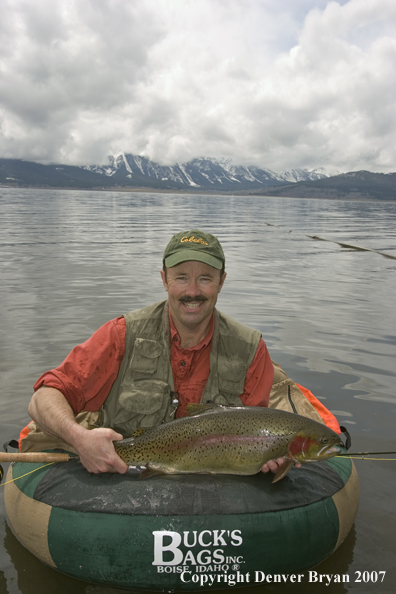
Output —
<point x="325" y="440"/>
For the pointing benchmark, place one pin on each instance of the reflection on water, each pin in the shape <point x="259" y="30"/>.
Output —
<point x="72" y="260"/>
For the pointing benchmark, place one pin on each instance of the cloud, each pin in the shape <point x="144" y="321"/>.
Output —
<point x="301" y="83"/>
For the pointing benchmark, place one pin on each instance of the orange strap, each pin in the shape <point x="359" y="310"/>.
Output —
<point x="25" y="431"/>
<point x="326" y="415"/>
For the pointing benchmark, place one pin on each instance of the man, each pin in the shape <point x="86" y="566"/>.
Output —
<point x="145" y="367"/>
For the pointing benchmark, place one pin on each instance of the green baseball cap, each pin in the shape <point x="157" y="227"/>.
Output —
<point x="194" y="245"/>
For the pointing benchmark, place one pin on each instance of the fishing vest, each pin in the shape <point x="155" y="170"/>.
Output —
<point x="143" y="394"/>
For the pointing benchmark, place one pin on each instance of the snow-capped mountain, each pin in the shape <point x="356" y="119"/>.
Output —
<point x="201" y="173"/>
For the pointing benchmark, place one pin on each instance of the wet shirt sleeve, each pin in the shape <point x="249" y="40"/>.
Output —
<point x="259" y="378"/>
<point x="86" y="375"/>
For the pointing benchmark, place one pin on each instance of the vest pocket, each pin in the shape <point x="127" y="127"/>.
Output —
<point x="145" y="396"/>
<point x="145" y="356"/>
<point x="144" y="404"/>
<point x="232" y="374"/>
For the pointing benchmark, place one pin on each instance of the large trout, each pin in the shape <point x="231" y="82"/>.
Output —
<point x="228" y="440"/>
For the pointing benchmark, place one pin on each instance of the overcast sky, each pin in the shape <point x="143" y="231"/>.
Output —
<point x="275" y="83"/>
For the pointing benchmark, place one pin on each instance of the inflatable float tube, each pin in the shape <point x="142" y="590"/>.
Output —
<point x="173" y="532"/>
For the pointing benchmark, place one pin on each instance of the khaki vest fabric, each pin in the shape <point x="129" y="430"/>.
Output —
<point x="285" y="395"/>
<point x="143" y="392"/>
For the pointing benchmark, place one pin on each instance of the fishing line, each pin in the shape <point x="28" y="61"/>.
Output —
<point x="354" y="456"/>
<point x="361" y="455"/>
<point x="367" y="454"/>
<point x="364" y="458"/>
<point x="30" y="472"/>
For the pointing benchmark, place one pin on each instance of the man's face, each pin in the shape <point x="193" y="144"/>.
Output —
<point x="192" y="289"/>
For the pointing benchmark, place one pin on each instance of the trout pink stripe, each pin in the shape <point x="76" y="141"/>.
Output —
<point x="211" y="440"/>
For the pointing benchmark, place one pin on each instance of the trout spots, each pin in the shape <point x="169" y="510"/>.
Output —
<point x="237" y="440"/>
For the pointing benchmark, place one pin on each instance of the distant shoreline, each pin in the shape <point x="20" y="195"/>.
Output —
<point x="242" y="194"/>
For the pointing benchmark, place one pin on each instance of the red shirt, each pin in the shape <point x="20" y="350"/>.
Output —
<point x="87" y="374"/>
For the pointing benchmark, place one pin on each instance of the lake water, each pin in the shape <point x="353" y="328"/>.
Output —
<point x="72" y="260"/>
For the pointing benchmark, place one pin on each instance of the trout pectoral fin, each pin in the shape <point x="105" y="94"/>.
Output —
<point x="150" y="472"/>
<point x="283" y="470"/>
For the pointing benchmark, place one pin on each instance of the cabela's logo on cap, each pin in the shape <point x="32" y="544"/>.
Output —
<point x="193" y="240"/>
<point x="194" y="245"/>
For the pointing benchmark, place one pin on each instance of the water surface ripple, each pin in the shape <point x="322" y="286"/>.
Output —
<point x="72" y="260"/>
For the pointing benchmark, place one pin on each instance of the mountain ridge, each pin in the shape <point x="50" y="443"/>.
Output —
<point x="201" y="172"/>
<point x="204" y="174"/>
<point x="360" y="185"/>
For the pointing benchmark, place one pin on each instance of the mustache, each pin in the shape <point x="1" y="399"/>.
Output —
<point x="188" y="299"/>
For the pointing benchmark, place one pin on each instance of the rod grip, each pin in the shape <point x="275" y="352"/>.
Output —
<point x="35" y="457"/>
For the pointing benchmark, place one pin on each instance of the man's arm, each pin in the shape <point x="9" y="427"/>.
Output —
<point x="52" y="414"/>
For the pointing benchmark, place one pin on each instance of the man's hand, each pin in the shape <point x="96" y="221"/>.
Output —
<point x="97" y="453"/>
<point x="53" y="414"/>
<point x="274" y="465"/>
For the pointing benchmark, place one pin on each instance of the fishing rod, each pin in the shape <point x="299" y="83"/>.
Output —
<point x="56" y="457"/>
<point x="50" y="458"/>
<point x="46" y="457"/>
<point x="366" y="454"/>
<point x="347" y="445"/>
<point x="36" y="457"/>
